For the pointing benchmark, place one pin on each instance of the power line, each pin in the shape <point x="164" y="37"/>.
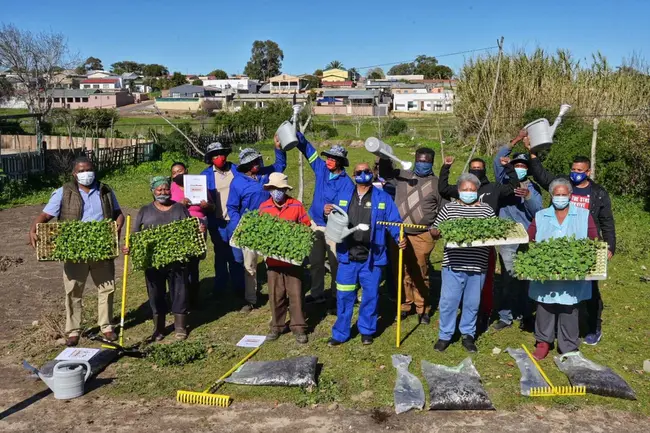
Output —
<point x="437" y="57"/>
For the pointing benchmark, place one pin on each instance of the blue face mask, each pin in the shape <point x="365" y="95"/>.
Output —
<point x="560" y="202"/>
<point x="363" y="178"/>
<point x="468" y="197"/>
<point x="577" y="178"/>
<point x="423" y="168"/>
<point x="521" y="173"/>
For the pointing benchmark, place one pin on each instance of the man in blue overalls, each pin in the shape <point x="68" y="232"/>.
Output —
<point x="362" y="255"/>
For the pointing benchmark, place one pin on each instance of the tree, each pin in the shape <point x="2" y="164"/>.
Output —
<point x="354" y="74"/>
<point x="126" y="66"/>
<point x="154" y="70"/>
<point x="35" y="59"/>
<point x="429" y="67"/>
<point x="376" y="74"/>
<point x="318" y="72"/>
<point x="313" y="82"/>
<point x="219" y="74"/>
<point x="197" y="82"/>
<point x="6" y="90"/>
<point x="401" y="69"/>
<point x="334" y="64"/>
<point x="178" y="79"/>
<point x="265" y="62"/>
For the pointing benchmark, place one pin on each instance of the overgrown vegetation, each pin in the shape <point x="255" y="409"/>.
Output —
<point x="176" y="354"/>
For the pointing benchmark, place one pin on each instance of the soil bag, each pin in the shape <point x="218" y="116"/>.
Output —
<point x="530" y="377"/>
<point x="598" y="379"/>
<point x="408" y="392"/>
<point x="299" y="371"/>
<point x="455" y="388"/>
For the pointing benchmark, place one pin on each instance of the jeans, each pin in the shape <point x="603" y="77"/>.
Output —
<point x="228" y="261"/>
<point x="157" y="280"/>
<point x="512" y="297"/>
<point x="457" y="285"/>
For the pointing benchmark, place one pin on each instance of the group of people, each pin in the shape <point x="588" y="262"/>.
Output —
<point x="417" y="198"/>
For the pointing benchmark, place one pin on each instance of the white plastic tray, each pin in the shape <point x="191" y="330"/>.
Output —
<point x="601" y="267"/>
<point x="293" y="262"/>
<point x="519" y="235"/>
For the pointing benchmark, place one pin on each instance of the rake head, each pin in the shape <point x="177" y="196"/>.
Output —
<point x="558" y="391"/>
<point x="204" y="398"/>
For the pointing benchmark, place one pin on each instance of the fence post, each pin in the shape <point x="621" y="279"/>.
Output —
<point x="594" y="138"/>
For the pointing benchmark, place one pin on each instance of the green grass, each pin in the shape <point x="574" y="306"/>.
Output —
<point x="350" y="369"/>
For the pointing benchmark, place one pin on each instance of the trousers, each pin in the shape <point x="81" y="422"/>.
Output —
<point x="175" y="276"/>
<point x="416" y="272"/>
<point x="487" y="294"/>
<point x="568" y="326"/>
<point x="322" y="249"/>
<point x="457" y="285"/>
<point x="74" y="283"/>
<point x="591" y="310"/>
<point x="347" y="277"/>
<point x="227" y="267"/>
<point x="285" y="294"/>
<point x="512" y="294"/>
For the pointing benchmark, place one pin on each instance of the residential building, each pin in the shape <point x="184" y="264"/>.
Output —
<point x="437" y="101"/>
<point x="99" y="74"/>
<point x="88" y="98"/>
<point x="190" y="91"/>
<point x="261" y="100"/>
<point x="408" y="78"/>
<point x="349" y="102"/>
<point x="239" y="84"/>
<point x="110" y="83"/>
<point x="286" y="83"/>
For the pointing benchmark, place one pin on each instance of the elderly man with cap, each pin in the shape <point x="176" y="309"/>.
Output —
<point x="220" y="174"/>
<point x="331" y="179"/>
<point x="285" y="283"/>
<point x="512" y="295"/>
<point x="247" y="193"/>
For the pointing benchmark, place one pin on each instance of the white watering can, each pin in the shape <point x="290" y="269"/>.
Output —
<point x="287" y="130"/>
<point x="540" y="133"/>
<point x="383" y="150"/>
<point x="337" y="225"/>
<point x="67" y="380"/>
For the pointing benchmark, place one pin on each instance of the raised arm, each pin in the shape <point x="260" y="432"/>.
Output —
<point x="311" y="154"/>
<point x="386" y="169"/>
<point x="499" y="170"/>
<point x="508" y="189"/>
<point x="280" y="163"/>
<point x="447" y="191"/>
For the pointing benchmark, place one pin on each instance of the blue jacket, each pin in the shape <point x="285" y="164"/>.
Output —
<point x="516" y="208"/>
<point x="247" y="193"/>
<point x="383" y="209"/>
<point x="326" y="189"/>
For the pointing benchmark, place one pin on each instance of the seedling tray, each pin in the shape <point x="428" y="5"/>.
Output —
<point x="518" y="235"/>
<point x="600" y="269"/>
<point x="282" y="259"/>
<point x="46" y="233"/>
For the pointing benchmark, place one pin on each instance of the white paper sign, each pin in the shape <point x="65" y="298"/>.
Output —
<point x="251" y="341"/>
<point x="76" y="354"/>
<point x="196" y="188"/>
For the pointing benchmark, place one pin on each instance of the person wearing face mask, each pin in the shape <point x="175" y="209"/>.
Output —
<point x="463" y="269"/>
<point x="362" y="255"/>
<point x="557" y="301"/>
<point x="331" y="179"/>
<point x="589" y="195"/>
<point x="285" y="279"/>
<point x="495" y="195"/>
<point x="418" y="201"/>
<point x="247" y="193"/>
<point x="84" y="199"/>
<point x="198" y="211"/>
<point x="512" y="299"/>
<point x="219" y="175"/>
<point x="163" y="210"/>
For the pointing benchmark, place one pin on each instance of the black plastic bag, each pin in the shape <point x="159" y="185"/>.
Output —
<point x="408" y="392"/>
<point x="530" y="377"/>
<point x="455" y="388"/>
<point x="598" y="379"/>
<point x="299" y="371"/>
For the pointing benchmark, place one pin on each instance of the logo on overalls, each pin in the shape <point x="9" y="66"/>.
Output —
<point x="343" y="202"/>
<point x="382" y="205"/>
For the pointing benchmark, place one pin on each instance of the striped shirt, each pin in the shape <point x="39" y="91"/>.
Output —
<point x="465" y="259"/>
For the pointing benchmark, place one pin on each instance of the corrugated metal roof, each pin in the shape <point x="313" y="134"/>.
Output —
<point x="347" y="93"/>
<point x="71" y="93"/>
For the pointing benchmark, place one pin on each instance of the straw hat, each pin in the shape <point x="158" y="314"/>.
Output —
<point x="278" y="181"/>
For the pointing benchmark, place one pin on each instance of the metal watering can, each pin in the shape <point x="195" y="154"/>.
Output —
<point x="383" y="150"/>
<point x="287" y="130"/>
<point x="540" y="133"/>
<point x="337" y="225"/>
<point x="67" y="380"/>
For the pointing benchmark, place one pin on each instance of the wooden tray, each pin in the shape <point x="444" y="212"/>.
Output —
<point x="518" y="235"/>
<point x="47" y="232"/>
<point x="600" y="271"/>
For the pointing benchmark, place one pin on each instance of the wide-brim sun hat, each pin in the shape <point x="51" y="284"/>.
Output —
<point x="337" y="152"/>
<point x="246" y="156"/>
<point x="214" y="149"/>
<point x="279" y="181"/>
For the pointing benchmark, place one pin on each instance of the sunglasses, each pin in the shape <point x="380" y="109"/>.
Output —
<point x="360" y="172"/>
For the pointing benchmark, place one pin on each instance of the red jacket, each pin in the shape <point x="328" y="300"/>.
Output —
<point x="291" y="210"/>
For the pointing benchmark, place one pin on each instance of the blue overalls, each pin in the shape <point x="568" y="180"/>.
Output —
<point x="368" y="273"/>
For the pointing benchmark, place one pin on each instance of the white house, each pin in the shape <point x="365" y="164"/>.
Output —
<point x="99" y="74"/>
<point x="239" y="85"/>
<point x="109" y="83"/>
<point x="429" y="102"/>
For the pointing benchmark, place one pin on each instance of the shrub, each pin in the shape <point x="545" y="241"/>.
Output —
<point x="323" y="130"/>
<point x="395" y="126"/>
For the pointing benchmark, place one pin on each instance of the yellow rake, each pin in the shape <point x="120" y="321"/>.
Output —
<point x="206" y="397"/>
<point x="551" y="390"/>
<point x="400" y="272"/>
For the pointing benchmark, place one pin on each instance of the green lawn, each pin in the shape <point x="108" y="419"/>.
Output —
<point x="351" y="369"/>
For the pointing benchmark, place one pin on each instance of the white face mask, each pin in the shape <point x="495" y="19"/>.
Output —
<point x="86" y="178"/>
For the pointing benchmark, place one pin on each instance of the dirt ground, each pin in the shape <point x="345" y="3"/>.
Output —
<point x="31" y="288"/>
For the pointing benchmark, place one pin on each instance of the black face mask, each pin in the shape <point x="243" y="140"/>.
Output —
<point x="478" y="173"/>
<point x="178" y="179"/>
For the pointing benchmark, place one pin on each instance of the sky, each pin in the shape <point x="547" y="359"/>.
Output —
<point x="198" y="37"/>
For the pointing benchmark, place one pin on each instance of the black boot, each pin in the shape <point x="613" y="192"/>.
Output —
<point x="158" y="327"/>
<point x="180" y="326"/>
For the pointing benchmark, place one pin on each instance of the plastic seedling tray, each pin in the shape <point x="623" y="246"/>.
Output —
<point x="518" y="235"/>
<point x="600" y="269"/>
<point x="46" y="233"/>
<point x="233" y="243"/>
